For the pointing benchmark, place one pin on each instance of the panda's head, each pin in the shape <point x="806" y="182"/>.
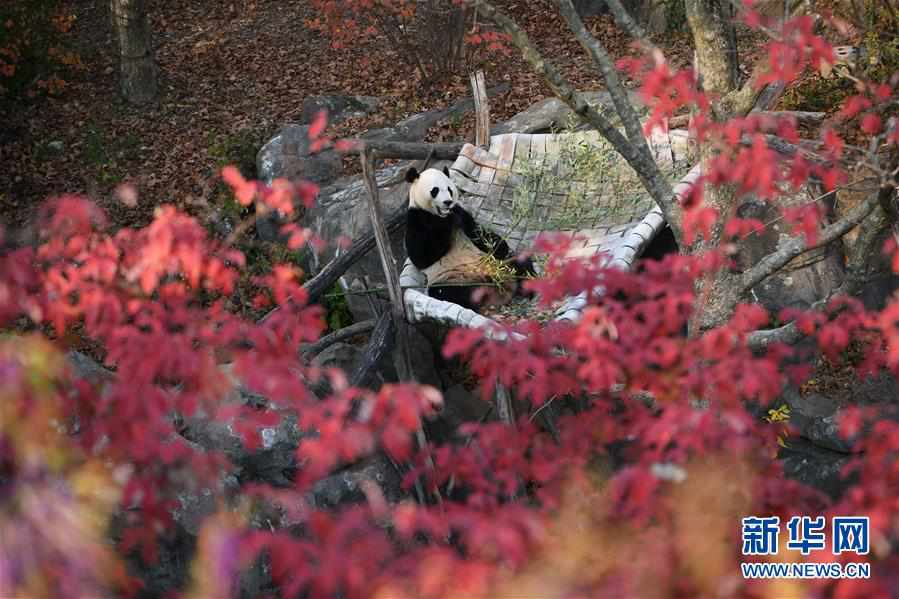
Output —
<point x="432" y="191"/>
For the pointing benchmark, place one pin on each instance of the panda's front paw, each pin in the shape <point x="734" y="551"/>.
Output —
<point x="524" y="270"/>
<point x="463" y="219"/>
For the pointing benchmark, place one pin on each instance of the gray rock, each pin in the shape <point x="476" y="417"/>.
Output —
<point x="339" y="107"/>
<point x="171" y="569"/>
<point x="273" y="462"/>
<point x="460" y="406"/>
<point x="424" y="367"/>
<point x="55" y="147"/>
<point x="817" y="467"/>
<point x="817" y="419"/>
<point x="193" y="509"/>
<point x="345" y="357"/>
<point x="88" y="369"/>
<point x="339" y="355"/>
<point x="288" y="155"/>
<point x="801" y="284"/>
<point x="346" y="486"/>
<point x="553" y="114"/>
<point x="342" y="356"/>
<point x="880" y="389"/>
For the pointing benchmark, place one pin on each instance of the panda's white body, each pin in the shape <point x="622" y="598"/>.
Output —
<point x="445" y="243"/>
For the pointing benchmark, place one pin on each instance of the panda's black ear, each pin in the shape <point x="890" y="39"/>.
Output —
<point x="411" y="174"/>
<point x="446" y="171"/>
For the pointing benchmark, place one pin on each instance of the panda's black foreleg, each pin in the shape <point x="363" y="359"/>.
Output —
<point x="524" y="269"/>
<point x="484" y="239"/>
<point x="428" y="237"/>
<point x="458" y="294"/>
<point x="490" y="243"/>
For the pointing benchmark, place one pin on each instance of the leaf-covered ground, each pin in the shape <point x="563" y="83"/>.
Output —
<point x="231" y="75"/>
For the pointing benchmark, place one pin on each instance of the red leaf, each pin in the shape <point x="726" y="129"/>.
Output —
<point x="318" y="124"/>
<point x="871" y="124"/>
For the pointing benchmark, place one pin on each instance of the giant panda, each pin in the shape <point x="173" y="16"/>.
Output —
<point x="444" y="242"/>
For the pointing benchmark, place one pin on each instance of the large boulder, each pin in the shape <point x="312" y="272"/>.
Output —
<point x="553" y="114"/>
<point x="815" y="466"/>
<point x="817" y="416"/>
<point x="288" y="155"/>
<point x="590" y="8"/>
<point x="806" y="279"/>
<point x="339" y="107"/>
<point x="347" y="486"/>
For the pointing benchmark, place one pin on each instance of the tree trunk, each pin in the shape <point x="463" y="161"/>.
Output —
<point x="715" y="40"/>
<point x="138" y="69"/>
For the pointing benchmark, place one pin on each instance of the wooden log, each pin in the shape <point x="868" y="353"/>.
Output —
<point x="310" y="350"/>
<point x="802" y="116"/>
<point x="335" y="269"/>
<point x="408" y="150"/>
<point x="382" y="342"/>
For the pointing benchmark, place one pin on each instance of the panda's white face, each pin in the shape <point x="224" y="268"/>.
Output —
<point x="432" y="191"/>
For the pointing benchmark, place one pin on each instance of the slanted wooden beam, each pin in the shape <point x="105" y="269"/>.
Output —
<point x="402" y="357"/>
<point x="381" y="343"/>
<point x="388" y="264"/>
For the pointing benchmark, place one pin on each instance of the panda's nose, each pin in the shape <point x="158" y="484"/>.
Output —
<point x="447" y="203"/>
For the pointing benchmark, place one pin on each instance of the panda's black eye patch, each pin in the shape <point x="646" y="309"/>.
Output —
<point x="450" y="190"/>
<point x="434" y="192"/>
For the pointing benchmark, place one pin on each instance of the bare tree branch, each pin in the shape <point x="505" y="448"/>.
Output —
<point x="858" y="272"/>
<point x="798" y="245"/>
<point x="310" y="350"/>
<point x="624" y="20"/>
<point x="600" y="56"/>
<point x="802" y="117"/>
<point x="646" y="169"/>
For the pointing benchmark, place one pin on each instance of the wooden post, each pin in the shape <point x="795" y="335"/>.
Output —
<point x="481" y="110"/>
<point x="401" y="357"/>
<point x="482" y="140"/>
<point x="388" y="264"/>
